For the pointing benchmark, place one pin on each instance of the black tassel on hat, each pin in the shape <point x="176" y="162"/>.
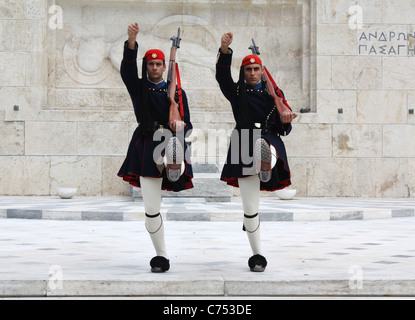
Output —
<point x="243" y="117"/>
<point x="145" y="114"/>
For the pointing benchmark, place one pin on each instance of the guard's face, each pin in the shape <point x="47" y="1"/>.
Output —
<point x="155" y="70"/>
<point x="253" y="73"/>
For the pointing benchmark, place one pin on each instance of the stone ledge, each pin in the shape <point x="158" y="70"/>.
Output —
<point x="180" y="213"/>
<point x="214" y="287"/>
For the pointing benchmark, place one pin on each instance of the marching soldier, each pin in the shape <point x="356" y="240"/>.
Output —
<point x="144" y="166"/>
<point x="259" y="126"/>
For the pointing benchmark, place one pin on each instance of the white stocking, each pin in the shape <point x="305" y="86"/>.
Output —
<point x="250" y="192"/>
<point x="151" y="191"/>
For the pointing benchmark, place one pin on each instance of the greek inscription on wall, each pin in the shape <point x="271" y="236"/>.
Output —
<point x="386" y="43"/>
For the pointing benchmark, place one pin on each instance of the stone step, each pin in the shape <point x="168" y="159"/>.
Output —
<point x="199" y="209"/>
<point x="222" y="286"/>
<point x="206" y="186"/>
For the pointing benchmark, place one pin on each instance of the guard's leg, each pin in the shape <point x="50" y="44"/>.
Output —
<point x="250" y="192"/>
<point x="250" y="199"/>
<point x="151" y="191"/>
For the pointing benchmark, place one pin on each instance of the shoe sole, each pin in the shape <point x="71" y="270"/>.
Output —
<point x="258" y="269"/>
<point x="174" y="154"/>
<point x="157" y="270"/>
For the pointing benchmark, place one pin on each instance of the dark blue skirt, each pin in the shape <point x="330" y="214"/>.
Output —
<point x="281" y="175"/>
<point x="139" y="162"/>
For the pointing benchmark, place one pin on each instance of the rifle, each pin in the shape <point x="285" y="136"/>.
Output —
<point x="271" y="87"/>
<point x="173" y="80"/>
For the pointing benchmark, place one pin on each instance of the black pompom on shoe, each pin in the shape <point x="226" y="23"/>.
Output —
<point x="159" y="264"/>
<point x="257" y="263"/>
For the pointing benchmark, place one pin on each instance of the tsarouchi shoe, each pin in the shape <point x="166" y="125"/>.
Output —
<point x="257" y="263"/>
<point x="159" y="264"/>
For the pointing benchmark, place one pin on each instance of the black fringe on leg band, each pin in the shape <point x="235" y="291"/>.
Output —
<point x="251" y="217"/>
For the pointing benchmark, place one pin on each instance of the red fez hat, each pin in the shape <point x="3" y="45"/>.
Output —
<point x="251" y="59"/>
<point x="154" y="54"/>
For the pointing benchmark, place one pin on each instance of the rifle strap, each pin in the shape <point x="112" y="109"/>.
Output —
<point x="276" y="88"/>
<point x="179" y="91"/>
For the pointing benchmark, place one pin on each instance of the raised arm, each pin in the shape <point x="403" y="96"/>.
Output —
<point x="223" y="68"/>
<point x="129" y="71"/>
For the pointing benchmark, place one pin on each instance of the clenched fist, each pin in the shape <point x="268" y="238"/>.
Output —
<point x="226" y="41"/>
<point x="133" y="30"/>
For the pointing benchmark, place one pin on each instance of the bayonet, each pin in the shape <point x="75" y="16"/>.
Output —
<point x="175" y="45"/>
<point x="176" y="40"/>
<point x="254" y="48"/>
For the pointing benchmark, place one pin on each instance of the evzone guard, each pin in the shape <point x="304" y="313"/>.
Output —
<point x="155" y="158"/>
<point x="262" y="116"/>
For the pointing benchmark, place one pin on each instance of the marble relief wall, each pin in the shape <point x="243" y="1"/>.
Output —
<point x="85" y="54"/>
<point x="66" y="117"/>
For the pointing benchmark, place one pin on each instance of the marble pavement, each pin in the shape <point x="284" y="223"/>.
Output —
<point x="98" y="247"/>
